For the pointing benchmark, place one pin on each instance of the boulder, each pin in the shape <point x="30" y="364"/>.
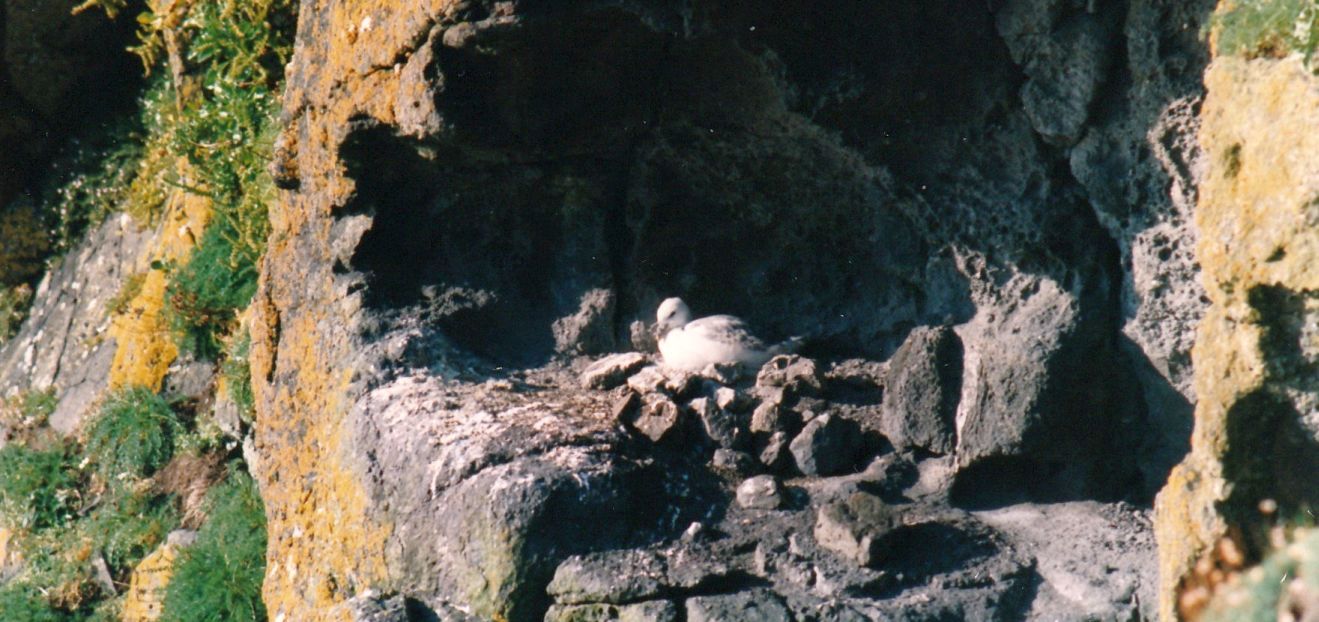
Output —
<point x="828" y="445"/>
<point x="924" y="386"/>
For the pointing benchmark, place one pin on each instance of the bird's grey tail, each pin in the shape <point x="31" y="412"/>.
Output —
<point x="788" y="346"/>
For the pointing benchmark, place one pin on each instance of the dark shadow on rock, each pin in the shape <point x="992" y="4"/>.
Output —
<point x="1163" y="430"/>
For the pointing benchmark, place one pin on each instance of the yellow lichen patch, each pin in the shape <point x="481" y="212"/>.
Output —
<point x="146" y="587"/>
<point x="145" y="348"/>
<point x="1258" y="218"/>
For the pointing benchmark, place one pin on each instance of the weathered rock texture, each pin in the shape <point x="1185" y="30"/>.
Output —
<point x="1256" y="433"/>
<point x="477" y="191"/>
<point x="67" y="343"/>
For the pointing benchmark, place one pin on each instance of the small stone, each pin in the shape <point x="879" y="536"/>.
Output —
<point x="760" y="493"/>
<point x="181" y="537"/>
<point x="758" y="605"/>
<point x="101" y="575"/>
<point x="680" y="384"/>
<point x="647" y="380"/>
<point x="610" y="577"/>
<point x="650" y="611"/>
<point x="769" y="418"/>
<point x="624" y="407"/>
<point x="720" y="425"/>
<point x="730" y="399"/>
<point x="659" y="418"/>
<point x="799" y="573"/>
<point x="794" y="373"/>
<point x="723" y="374"/>
<point x="762" y="561"/>
<point x="855" y="529"/>
<point x="799" y="545"/>
<point x="733" y="461"/>
<point x="828" y="445"/>
<point x="612" y="370"/>
<point x="776" y="455"/>
<point x="693" y="532"/>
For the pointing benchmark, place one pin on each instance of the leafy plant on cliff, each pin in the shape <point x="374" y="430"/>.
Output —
<point x="1268" y="28"/>
<point x="38" y="488"/>
<point x="206" y="294"/>
<point x="133" y="434"/>
<point x="225" y="132"/>
<point x="218" y="578"/>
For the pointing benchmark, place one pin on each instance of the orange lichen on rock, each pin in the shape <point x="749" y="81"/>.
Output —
<point x="324" y="544"/>
<point x="145" y="347"/>
<point x="1258" y="215"/>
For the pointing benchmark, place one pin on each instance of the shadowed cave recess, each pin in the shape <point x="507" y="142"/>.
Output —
<point x="863" y="175"/>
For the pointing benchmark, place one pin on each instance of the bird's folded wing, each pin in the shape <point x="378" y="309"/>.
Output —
<point x="724" y="329"/>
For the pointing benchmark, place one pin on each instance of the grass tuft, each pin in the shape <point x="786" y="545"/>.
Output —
<point x="133" y="435"/>
<point x="38" y="488"/>
<point x="219" y="577"/>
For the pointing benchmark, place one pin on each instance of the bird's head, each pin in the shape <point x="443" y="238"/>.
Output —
<point x="672" y="313"/>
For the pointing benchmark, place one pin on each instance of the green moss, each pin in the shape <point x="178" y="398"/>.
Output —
<point x="38" y="488"/>
<point x="218" y="578"/>
<point x="1268" y="28"/>
<point x="133" y="435"/>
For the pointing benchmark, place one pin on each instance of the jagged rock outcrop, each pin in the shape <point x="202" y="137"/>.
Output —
<point x="478" y="191"/>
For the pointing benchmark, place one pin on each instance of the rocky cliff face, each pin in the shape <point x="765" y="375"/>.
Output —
<point x="1255" y="434"/>
<point x="479" y="192"/>
<point x="989" y="224"/>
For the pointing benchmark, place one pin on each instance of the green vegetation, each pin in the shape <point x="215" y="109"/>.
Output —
<point x="129" y="525"/>
<point x="1268" y="28"/>
<point x="133" y="435"/>
<point x="237" y="370"/>
<point x="116" y="496"/>
<point x="14" y="303"/>
<point x="206" y="295"/>
<point x="1287" y="580"/>
<point x="225" y="133"/>
<point x="90" y="180"/>
<point x="219" y="577"/>
<point x="38" y="488"/>
<point x="23" y="603"/>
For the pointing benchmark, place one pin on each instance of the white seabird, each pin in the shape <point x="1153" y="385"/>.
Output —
<point x="692" y="345"/>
